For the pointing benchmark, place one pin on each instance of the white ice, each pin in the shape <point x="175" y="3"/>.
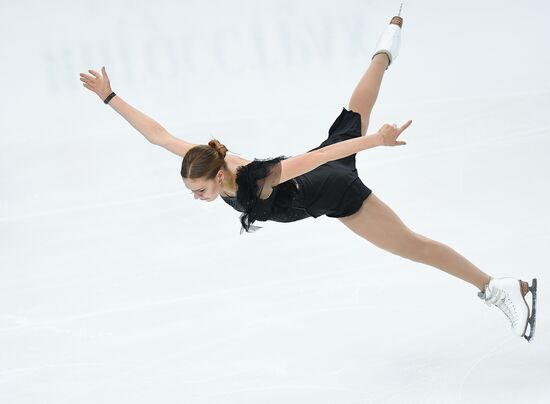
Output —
<point x="117" y="286"/>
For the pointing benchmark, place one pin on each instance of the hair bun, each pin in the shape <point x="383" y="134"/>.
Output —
<point x="220" y="148"/>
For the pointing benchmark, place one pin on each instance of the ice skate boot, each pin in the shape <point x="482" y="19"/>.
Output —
<point x="390" y="39"/>
<point x="508" y="294"/>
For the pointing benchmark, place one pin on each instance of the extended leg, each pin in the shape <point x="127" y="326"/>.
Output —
<point x="377" y="223"/>
<point x="365" y="94"/>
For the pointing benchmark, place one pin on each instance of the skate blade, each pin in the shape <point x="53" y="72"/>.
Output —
<point x="533" y="318"/>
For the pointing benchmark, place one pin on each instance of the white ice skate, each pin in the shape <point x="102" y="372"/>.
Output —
<point x="508" y="294"/>
<point x="390" y="39"/>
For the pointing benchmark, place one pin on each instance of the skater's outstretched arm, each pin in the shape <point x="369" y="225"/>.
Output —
<point x="294" y="166"/>
<point x="153" y="131"/>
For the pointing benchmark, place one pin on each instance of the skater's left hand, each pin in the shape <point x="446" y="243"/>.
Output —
<point x="390" y="133"/>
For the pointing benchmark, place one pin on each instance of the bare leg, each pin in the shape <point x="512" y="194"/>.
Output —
<point x="365" y="94"/>
<point x="377" y="223"/>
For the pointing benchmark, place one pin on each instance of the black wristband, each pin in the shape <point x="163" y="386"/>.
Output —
<point x="109" y="97"/>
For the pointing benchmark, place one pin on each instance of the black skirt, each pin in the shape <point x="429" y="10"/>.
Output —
<point x="334" y="189"/>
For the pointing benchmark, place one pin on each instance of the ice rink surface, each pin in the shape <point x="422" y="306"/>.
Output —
<point x="117" y="286"/>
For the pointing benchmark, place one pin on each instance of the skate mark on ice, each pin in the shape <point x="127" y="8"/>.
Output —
<point x="12" y="322"/>
<point x="98" y="205"/>
<point x="497" y="349"/>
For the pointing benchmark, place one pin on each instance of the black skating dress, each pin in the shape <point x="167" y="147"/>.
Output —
<point x="333" y="189"/>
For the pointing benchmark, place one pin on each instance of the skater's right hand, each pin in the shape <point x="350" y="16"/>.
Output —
<point x="390" y="133"/>
<point x="97" y="83"/>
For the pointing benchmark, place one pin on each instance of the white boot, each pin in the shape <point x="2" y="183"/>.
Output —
<point x="508" y="296"/>
<point x="390" y="40"/>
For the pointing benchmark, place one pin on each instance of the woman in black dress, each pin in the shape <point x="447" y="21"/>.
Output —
<point x="324" y="181"/>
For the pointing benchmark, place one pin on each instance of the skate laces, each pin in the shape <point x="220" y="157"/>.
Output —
<point x="501" y="299"/>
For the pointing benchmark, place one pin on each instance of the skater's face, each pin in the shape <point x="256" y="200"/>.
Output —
<point x="204" y="189"/>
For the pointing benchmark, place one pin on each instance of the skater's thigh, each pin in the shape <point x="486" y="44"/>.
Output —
<point x="365" y="116"/>
<point x="378" y="223"/>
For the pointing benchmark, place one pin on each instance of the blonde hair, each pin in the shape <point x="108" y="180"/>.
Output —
<point x="204" y="161"/>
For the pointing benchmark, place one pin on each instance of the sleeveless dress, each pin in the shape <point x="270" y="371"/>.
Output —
<point x="333" y="189"/>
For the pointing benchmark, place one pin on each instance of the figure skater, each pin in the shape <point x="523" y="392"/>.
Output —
<point x="324" y="181"/>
